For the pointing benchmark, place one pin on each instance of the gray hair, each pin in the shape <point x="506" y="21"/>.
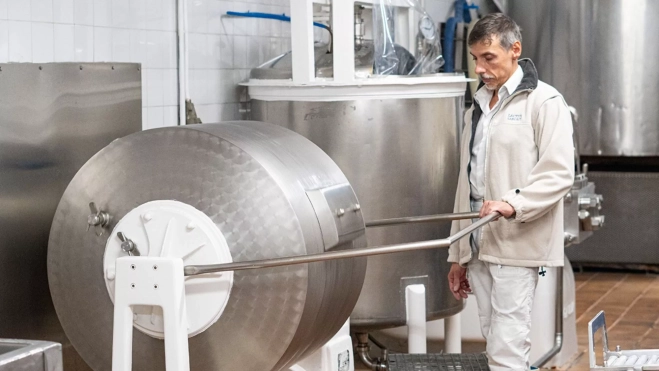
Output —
<point x="496" y="24"/>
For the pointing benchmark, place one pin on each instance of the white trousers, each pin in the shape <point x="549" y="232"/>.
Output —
<point x="504" y="295"/>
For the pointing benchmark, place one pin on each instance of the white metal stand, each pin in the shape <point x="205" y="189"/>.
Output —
<point x="150" y="281"/>
<point x="415" y="303"/>
<point x="336" y="355"/>
<point x="452" y="334"/>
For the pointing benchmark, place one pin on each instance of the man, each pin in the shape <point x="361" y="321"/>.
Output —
<point x="517" y="159"/>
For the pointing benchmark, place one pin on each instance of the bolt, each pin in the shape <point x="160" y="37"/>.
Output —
<point x="357" y="207"/>
<point x="191" y="226"/>
<point x="340" y="212"/>
<point x="147" y="217"/>
<point x="132" y="266"/>
<point x="132" y="285"/>
<point x="155" y="267"/>
<point x="155" y="287"/>
<point x="110" y="274"/>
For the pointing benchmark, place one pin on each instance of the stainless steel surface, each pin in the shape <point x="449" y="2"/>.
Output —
<point x="421" y="219"/>
<point x="28" y="355"/>
<point x="617" y="360"/>
<point x="53" y="118"/>
<point x="629" y="239"/>
<point x="558" y="322"/>
<point x="191" y="270"/>
<point x="600" y="54"/>
<point x="401" y="156"/>
<point x="253" y="180"/>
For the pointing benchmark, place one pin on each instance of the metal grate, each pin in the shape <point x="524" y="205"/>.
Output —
<point x="438" y="362"/>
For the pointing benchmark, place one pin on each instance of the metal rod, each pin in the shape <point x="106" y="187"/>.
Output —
<point x="191" y="270"/>
<point x="422" y="219"/>
<point x="558" y="324"/>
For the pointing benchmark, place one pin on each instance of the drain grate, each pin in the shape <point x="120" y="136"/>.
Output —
<point x="438" y="362"/>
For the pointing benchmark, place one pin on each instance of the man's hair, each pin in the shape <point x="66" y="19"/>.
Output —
<point x="495" y="24"/>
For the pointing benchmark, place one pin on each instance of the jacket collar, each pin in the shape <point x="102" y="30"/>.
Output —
<point x="530" y="79"/>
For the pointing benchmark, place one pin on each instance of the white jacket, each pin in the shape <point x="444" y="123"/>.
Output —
<point x="529" y="163"/>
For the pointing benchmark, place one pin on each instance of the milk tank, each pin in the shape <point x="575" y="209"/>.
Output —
<point x="401" y="156"/>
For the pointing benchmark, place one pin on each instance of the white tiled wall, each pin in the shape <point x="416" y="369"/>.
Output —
<point x="222" y="49"/>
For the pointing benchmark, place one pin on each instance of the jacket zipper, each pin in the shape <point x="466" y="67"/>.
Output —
<point x="487" y="150"/>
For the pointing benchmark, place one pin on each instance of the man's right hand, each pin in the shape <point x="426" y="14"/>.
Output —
<point x="458" y="283"/>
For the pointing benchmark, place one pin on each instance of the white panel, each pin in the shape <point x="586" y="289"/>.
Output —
<point x="42" y="42"/>
<point x="102" y="13"/>
<point x="156" y="86"/>
<point x="197" y="45"/>
<point x="155" y="15"/>
<point x="121" y="16"/>
<point x="253" y="51"/>
<point x="138" y="46"/>
<point x="213" y="50"/>
<point x="171" y="46"/>
<point x="213" y="17"/>
<point x="198" y="86"/>
<point x="226" y="51"/>
<point x="84" y="43"/>
<point x="4" y="41"/>
<point x="240" y="51"/>
<point x="145" y="118"/>
<point x="225" y="22"/>
<point x="170" y="83"/>
<point x="214" y="86"/>
<point x="63" y="11"/>
<point x="42" y="10"/>
<point x="197" y="16"/>
<point x="229" y="111"/>
<point x="83" y="12"/>
<point x="239" y="23"/>
<point x="20" y="41"/>
<point x="156" y="117"/>
<point x="171" y="116"/>
<point x="102" y="44"/>
<point x="226" y="81"/>
<point x="18" y="10"/>
<point x="3" y="9"/>
<point x="156" y="49"/>
<point x="138" y="14"/>
<point x="169" y="15"/>
<point x="145" y="89"/>
<point x="64" y="44"/>
<point x="120" y="45"/>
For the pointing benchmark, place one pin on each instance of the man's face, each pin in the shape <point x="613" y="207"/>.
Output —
<point x="494" y="64"/>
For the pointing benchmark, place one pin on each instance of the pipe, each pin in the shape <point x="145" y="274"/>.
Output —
<point x="278" y="17"/>
<point x="182" y="50"/>
<point x="452" y="334"/>
<point x="558" y="324"/>
<point x="362" y="349"/>
<point x="415" y="305"/>
<point x="422" y="219"/>
<point x="191" y="270"/>
<point x="385" y="351"/>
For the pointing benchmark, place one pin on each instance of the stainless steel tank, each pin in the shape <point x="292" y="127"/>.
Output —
<point x="53" y="118"/>
<point x="401" y="156"/>
<point x="601" y="55"/>
<point x="270" y="193"/>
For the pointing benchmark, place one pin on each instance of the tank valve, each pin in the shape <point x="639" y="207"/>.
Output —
<point x="127" y="245"/>
<point x="97" y="219"/>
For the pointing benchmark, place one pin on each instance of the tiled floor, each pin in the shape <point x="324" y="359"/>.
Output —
<point x="631" y="303"/>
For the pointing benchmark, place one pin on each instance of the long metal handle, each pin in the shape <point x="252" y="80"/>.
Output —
<point x="191" y="270"/>
<point x="422" y="219"/>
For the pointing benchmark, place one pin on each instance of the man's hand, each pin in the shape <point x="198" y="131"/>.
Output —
<point x="458" y="283"/>
<point x="503" y="208"/>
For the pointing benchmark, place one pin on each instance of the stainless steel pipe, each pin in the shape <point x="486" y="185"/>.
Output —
<point x="558" y="324"/>
<point x="422" y="219"/>
<point x="192" y="270"/>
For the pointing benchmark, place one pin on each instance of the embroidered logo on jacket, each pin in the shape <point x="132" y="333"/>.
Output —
<point x="514" y="117"/>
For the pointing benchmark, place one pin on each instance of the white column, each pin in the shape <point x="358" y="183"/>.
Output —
<point x="452" y="334"/>
<point x="415" y="302"/>
<point x="343" y="27"/>
<point x="302" y="41"/>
